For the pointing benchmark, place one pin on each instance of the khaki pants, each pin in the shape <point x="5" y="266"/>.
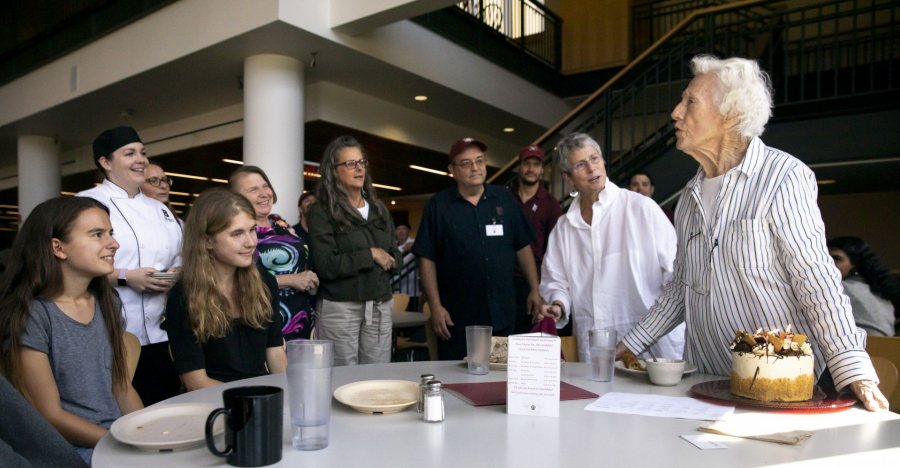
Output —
<point x="361" y="331"/>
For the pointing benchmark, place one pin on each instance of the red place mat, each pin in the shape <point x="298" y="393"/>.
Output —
<point x="494" y="393"/>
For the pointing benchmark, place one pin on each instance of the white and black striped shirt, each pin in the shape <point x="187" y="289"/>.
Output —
<point x="760" y="262"/>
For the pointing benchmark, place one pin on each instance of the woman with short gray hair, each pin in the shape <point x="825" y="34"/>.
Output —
<point x="751" y="241"/>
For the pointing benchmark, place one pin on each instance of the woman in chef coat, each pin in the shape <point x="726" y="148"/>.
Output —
<point x="149" y="236"/>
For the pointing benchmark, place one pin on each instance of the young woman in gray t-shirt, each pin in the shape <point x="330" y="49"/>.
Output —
<point x="61" y="325"/>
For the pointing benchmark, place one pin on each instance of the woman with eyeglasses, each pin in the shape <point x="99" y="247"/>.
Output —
<point x="157" y="186"/>
<point x="608" y="256"/>
<point x="356" y="256"/>
<point x="281" y="252"/>
<point x="149" y="237"/>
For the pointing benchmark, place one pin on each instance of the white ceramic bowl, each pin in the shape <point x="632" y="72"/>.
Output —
<point x="665" y="372"/>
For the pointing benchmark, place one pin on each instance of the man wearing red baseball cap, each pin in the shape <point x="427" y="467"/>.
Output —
<point x="471" y="237"/>
<point x="542" y="211"/>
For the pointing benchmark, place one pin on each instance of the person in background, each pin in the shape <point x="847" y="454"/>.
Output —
<point x="751" y="241"/>
<point x="609" y="256"/>
<point x="642" y="183"/>
<point x="353" y="237"/>
<point x="149" y="237"/>
<point x="471" y="236"/>
<point x="404" y="241"/>
<point x="281" y="252"/>
<point x="157" y="185"/>
<point x="221" y="315"/>
<point x="61" y="324"/>
<point x="542" y="211"/>
<point x="868" y="283"/>
<point x="302" y="227"/>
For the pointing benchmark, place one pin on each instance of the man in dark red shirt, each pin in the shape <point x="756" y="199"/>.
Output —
<point x="542" y="211"/>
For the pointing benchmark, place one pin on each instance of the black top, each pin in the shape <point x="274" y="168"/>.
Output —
<point x="474" y="250"/>
<point x="343" y="259"/>
<point x="239" y="355"/>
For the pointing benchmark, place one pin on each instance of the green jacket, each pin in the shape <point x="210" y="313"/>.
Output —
<point x="342" y="259"/>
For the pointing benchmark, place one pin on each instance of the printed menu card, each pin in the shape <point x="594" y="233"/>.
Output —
<point x="533" y="372"/>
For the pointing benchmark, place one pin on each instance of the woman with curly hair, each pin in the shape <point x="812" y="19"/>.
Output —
<point x="868" y="283"/>
<point x="61" y="322"/>
<point x="220" y="315"/>
<point x="355" y="257"/>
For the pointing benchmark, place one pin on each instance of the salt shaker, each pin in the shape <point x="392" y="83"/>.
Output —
<point x="420" y="404"/>
<point x="434" y="402"/>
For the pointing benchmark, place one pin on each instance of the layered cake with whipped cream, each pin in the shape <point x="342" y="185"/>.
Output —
<point x="772" y="365"/>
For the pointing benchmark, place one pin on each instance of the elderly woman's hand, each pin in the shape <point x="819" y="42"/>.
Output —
<point x="382" y="258"/>
<point x="553" y="311"/>
<point x="869" y="394"/>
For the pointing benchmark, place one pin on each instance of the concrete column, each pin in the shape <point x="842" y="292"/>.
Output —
<point x="38" y="171"/>
<point x="273" y="125"/>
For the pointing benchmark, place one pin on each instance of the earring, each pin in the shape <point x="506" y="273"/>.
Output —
<point x="573" y="193"/>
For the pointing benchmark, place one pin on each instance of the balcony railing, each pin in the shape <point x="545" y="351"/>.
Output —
<point x="817" y="54"/>
<point x="525" y="23"/>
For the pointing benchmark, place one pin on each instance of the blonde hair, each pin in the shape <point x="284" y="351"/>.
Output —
<point x="208" y="308"/>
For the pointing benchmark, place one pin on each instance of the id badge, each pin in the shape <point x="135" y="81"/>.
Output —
<point x="494" y="230"/>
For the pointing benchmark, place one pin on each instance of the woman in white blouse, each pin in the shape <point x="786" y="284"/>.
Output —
<point x="609" y="256"/>
<point x="149" y="236"/>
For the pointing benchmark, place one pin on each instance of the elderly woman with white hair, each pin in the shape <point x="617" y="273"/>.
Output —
<point x="609" y="256"/>
<point x="751" y="241"/>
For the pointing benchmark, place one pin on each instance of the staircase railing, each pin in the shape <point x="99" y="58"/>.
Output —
<point x="834" y="49"/>
<point x="526" y="23"/>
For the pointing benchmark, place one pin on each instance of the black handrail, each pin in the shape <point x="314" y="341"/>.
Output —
<point x="814" y="53"/>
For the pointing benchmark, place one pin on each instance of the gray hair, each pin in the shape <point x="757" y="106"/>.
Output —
<point x="332" y="195"/>
<point x="744" y="91"/>
<point x="571" y="143"/>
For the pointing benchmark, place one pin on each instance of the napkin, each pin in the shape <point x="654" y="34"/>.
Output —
<point x="740" y="430"/>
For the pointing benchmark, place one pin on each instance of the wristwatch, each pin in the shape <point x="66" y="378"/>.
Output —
<point x="122" y="280"/>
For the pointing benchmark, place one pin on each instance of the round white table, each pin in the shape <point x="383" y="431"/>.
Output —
<point x="486" y="436"/>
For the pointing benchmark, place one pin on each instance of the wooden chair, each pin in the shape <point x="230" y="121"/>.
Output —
<point x="401" y="301"/>
<point x="885" y="353"/>
<point x="569" y="348"/>
<point x="132" y="352"/>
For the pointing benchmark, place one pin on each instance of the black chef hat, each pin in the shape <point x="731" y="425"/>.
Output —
<point x="111" y="140"/>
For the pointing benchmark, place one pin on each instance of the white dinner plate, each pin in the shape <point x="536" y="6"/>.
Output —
<point x="378" y="396"/>
<point x="168" y="427"/>
<point x="688" y="368"/>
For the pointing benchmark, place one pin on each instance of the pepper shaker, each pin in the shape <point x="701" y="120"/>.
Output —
<point x="420" y="403"/>
<point x="434" y="402"/>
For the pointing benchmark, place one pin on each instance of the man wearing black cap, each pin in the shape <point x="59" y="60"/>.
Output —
<point x="542" y="211"/>
<point x="471" y="237"/>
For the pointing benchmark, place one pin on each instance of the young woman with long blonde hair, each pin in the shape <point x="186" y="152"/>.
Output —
<point x="220" y="315"/>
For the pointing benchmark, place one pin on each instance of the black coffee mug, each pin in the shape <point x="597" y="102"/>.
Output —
<point x="253" y="426"/>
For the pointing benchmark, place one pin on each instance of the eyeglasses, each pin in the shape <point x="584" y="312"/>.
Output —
<point x="582" y="166"/>
<point x="468" y="164"/>
<point x="354" y="163"/>
<point x="155" y="181"/>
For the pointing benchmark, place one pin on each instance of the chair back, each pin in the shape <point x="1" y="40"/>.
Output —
<point x="430" y="335"/>
<point x="885" y="353"/>
<point x="132" y="353"/>
<point x="401" y="301"/>
<point x="569" y="348"/>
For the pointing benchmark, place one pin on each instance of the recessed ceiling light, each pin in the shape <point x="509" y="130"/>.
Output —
<point x="826" y="182"/>
<point x="393" y="202"/>
<point x="421" y="98"/>
<point x="508" y="130"/>
<point x="233" y="161"/>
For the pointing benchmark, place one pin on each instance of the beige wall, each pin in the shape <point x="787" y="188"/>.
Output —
<point x="873" y="217"/>
<point x="595" y="34"/>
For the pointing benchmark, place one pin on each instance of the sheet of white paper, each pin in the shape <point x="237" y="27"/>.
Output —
<point x="703" y="442"/>
<point x="660" y="406"/>
<point x="532" y="375"/>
